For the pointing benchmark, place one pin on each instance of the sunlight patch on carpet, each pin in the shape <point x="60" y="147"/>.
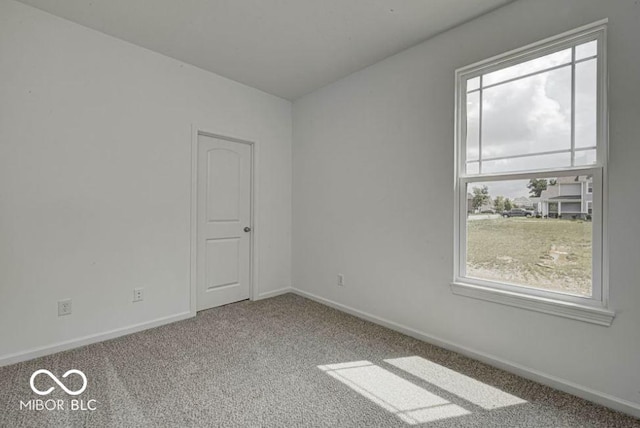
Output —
<point x="465" y="387"/>
<point x="411" y="403"/>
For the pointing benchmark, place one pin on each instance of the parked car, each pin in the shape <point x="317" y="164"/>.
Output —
<point x="517" y="212"/>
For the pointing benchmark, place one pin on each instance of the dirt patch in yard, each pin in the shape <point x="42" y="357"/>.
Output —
<point x="542" y="253"/>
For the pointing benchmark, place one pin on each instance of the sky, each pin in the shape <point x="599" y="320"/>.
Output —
<point x="533" y="114"/>
<point x="509" y="189"/>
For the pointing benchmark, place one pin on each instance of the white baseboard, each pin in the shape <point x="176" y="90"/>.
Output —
<point x="564" y="385"/>
<point x="274" y="293"/>
<point x="30" y="354"/>
<point x="5" y="360"/>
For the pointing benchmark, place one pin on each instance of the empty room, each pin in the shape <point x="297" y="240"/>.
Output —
<point x="319" y="213"/>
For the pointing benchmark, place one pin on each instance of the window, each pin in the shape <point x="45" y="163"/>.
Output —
<point x="531" y="135"/>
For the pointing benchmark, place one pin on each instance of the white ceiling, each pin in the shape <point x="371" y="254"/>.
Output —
<point x="284" y="47"/>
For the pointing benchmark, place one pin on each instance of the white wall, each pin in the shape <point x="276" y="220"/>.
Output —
<point x="95" y="158"/>
<point x="373" y="200"/>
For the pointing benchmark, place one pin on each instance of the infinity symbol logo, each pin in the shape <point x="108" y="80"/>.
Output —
<point x="60" y="384"/>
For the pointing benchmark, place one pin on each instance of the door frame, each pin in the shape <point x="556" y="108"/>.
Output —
<point x="197" y="131"/>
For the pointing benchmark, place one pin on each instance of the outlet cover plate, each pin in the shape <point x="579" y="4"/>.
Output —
<point x="64" y="307"/>
<point x="138" y="294"/>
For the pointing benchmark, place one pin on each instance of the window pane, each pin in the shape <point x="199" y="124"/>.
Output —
<point x="473" y="84"/>
<point x="586" y="50"/>
<point x="529" y="163"/>
<point x="529" y="115"/>
<point x="538" y="237"/>
<point x="538" y="64"/>
<point x="473" y="168"/>
<point x="585" y="157"/>
<point x="586" y="98"/>
<point x="473" y="126"/>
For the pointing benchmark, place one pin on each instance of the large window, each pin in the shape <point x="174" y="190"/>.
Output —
<point x="531" y="177"/>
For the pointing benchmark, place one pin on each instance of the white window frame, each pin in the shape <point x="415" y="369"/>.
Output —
<point x="593" y="309"/>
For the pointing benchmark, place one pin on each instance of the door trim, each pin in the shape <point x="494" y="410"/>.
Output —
<point x="196" y="131"/>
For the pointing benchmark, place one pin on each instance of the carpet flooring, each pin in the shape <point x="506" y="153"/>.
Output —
<point x="285" y="362"/>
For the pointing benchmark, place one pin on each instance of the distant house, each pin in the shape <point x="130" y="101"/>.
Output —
<point x="523" y="202"/>
<point x="487" y="206"/>
<point x="568" y="197"/>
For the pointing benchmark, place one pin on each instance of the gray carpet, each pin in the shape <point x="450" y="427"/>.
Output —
<point x="275" y="363"/>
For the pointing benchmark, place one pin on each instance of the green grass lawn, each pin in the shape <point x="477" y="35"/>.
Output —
<point x="542" y="253"/>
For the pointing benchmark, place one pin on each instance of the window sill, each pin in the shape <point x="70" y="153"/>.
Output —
<point x="559" y="308"/>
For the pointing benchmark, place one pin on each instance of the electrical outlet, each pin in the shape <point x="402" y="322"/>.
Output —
<point x="138" y="294"/>
<point x="341" y="280"/>
<point x="64" y="307"/>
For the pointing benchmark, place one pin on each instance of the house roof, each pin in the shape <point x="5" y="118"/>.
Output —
<point x="576" y="197"/>
<point x="564" y="180"/>
<point x="573" y="179"/>
<point x="522" y="199"/>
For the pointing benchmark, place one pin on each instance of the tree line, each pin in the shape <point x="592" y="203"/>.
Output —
<point x="480" y="195"/>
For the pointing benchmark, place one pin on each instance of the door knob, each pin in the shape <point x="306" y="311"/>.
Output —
<point x="247" y="229"/>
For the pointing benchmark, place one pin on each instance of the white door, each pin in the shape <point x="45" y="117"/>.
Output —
<point x="223" y="261"/>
